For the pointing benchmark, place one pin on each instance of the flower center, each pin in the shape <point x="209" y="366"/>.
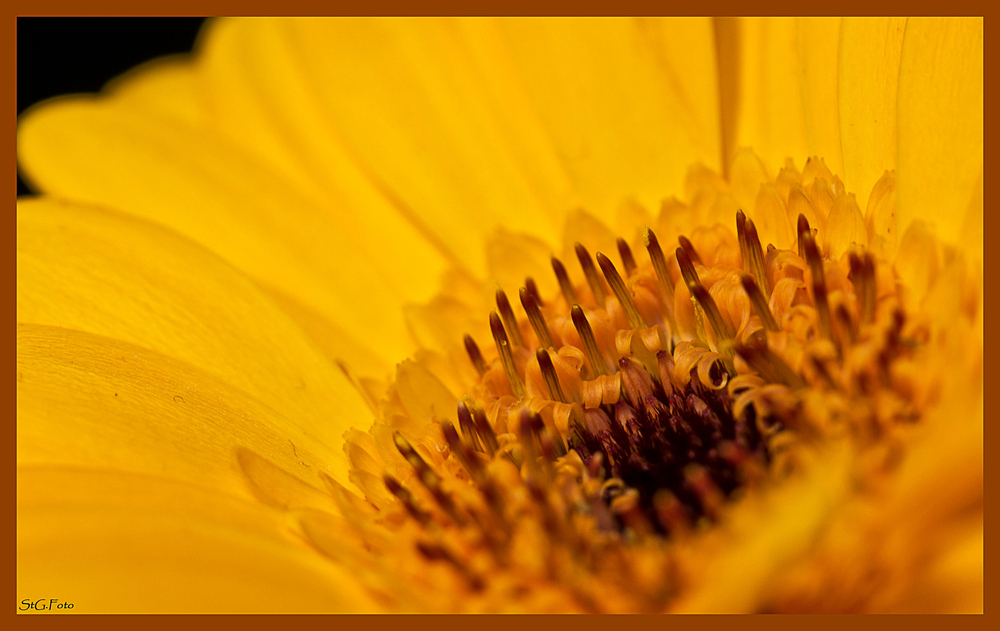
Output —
<point x="626" y="412"/>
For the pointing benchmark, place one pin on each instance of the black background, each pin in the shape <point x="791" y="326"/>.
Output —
<point x="62" y="55"/>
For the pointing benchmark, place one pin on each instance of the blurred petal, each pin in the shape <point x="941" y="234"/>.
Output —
<point x="940" y="124"/>
<point x="110" y="281"/>
<point x="317" y="246"/>
<point x="88" y="401"/>
<point x="119" y="543"/>
<point x="766" y="87"/>
<point x="629" y="105"/>
<point x="508" y="121"/>
<point x="868" y="72"/>
<point x="817" y="41"/>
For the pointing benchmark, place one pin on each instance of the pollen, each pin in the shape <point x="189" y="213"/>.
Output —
<point x="612" y="424"/>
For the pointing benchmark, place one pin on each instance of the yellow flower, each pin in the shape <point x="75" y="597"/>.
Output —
<point x="237" y="253"/>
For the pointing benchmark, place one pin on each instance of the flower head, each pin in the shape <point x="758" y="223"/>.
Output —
<point x="727" y="381"/>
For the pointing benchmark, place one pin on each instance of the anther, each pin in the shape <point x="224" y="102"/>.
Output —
<point x="769" y="366"/>
<point x="436" y="552"/>
<point x="535" y="317"/>
<point x="533" y="428"/>
<point x="665" y="368"/>
<point x="509" y="321"/>
<point x="863" y="278"/>
<point x="589" y="343"/>
<point x="485" y="431"/>
<point x="688" y="272"/>
<point x="659" y="265"/>
<point x="670" y="512"/>
<point x="819" y="284"/>
<point x="475" y="356"/>
<point x="691" y="279"/>
<point x="689" y="248"/>
<point x="565" y="286"/>
<point x="803" y="229"/>
<point x="759" y="303"/>
<point x="463" y="451"/>
<point x="844" y="320"/>
<point x="591" y="273"/>
<point x="406" y="498"/>
<point x="506" y="358"/>
<point x="549" y="374"/>
<point x="722" y="331"/>
<point x="741" y="234"/>
<point x="428" y="477"/>
<point x="709" y="496"/>
<point x="627" y="259"/>
<point x="596" y="421"/>
<point x="468" y="425"/>
<point x="636" y="382"/>
<point x="755" y="256"/>
<point x="529" y="284"/>
<point x="621" y="292"/>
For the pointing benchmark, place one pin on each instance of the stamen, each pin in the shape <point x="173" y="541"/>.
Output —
<point x="485" y="431"/>
<point x="463" y="451"/>
<point x="428" y="477"/>
<point x="636" y="382"/>
<point x="803" y="229"/>
<point x="591" y="273"/>
<point x="659" y="265"/>
<point x="689" y="248"/>
<point x="529" y="284"/>
<point x="688" y="273"/>
<point x="509" y="321"/>
<point x="549" y="373"/>
<point x="670" y="512"/>
<point x="589" y="343"/>
<point x="506" y="358"/>
<point x="474" y="355"/>
<point x="755" y="256"/>
<point x="551" y="442"/>
<point x="709" y="496"/>
<point x="468" y="425"/>
<point x="627" y="259"/>
<point x="437" y="552"/>
<point x="406" y="498"/>
<point x="863" y="278"/>
<point x="564" y="285"/>
<point x="844" y="320"/>
<point x="759" y="303"/>
<point x="770" y="366"/>
<point x="665" y="368"/>
<point x="705" y="301"/>
<point x="819" y="284"/>
<point x="741" y="234"/>
<point x="621" y="292"/>
<point x="722" y="332"/>
<point x="535" y="318"/>
<point x="690" y="277"/>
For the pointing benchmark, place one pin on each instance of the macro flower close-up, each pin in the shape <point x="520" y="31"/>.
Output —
<point x="509" y="315"/>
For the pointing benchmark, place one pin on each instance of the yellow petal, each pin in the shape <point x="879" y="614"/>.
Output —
<point x="868" y="72"/>
<point x="845" y="225"/>
<point x="629" y="105"/>
<point x="509" y="122"/>
<point x="817" y="42"/>
<point x="940" y="118"/>
<point x="149" y="293"/>
<point x="90" y="401"/>
<point x="117" y="543"/>
<point x="766" y="87"/>
<point x="325" y="248"/>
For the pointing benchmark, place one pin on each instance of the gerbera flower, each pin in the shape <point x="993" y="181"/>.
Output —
<point x="258" y="368"/>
